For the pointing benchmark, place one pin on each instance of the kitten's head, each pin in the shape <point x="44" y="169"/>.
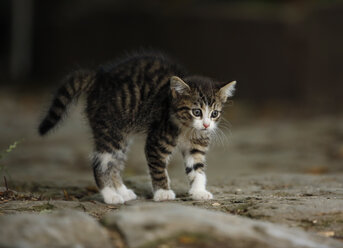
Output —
<point x="198" y="101"/>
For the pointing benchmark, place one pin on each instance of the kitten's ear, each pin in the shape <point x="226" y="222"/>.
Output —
<point x="178" y="86"/>
<point x="227" y="91"/>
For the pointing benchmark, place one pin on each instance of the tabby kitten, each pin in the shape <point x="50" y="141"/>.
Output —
<point x="145" y="93"/>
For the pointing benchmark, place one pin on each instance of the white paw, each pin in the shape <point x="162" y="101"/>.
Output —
<point x="164" y="195"/>
<point x="126" y="194"/>
<point x="200" y="195"/>
<point x="111" y="196"/>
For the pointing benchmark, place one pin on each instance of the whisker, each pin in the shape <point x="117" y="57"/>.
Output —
<point x="226" y="122"/>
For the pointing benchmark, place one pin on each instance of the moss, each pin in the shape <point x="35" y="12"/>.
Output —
<point x="325" y="223"/>
<point x="189" y="240"/>
<point x="282" y="194"/>
<point x="243" y="209"/>
<point x="38" y="208"/>
<point x="329" y="222"/>
<point x="203" y="240"/>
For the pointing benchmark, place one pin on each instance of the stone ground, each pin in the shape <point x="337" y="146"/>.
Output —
<point x="270" y="164"/>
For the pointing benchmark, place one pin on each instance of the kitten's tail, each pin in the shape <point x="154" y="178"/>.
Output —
<point x="74" y="84"/>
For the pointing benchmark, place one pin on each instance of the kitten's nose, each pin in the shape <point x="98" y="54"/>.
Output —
<point x="206" y="125"/>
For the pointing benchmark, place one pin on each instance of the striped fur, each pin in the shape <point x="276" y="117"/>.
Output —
<point x="144" y="93"/>
<point x="75" y="83"/>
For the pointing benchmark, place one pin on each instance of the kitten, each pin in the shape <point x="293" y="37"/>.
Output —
<point x="145" y="93"/>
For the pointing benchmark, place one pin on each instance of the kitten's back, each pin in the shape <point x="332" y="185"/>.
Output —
<point x="134" y="90"/>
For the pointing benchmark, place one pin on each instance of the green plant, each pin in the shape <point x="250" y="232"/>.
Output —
<point x="3" y="168"/>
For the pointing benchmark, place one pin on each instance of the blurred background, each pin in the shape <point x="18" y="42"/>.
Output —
<point x="286" y="56"/>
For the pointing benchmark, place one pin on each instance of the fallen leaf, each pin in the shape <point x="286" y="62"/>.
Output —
<point x="92" y="189"/>
<point x="66" y="196"/>
<point x="327" y="234"/>
<point x="187" y="240"/>
<point x="317" y="170"/>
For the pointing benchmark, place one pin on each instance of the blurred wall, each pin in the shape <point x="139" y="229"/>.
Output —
<point x="284" y="50"/>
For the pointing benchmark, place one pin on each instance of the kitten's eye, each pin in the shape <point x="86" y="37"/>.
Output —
<point x="196" y="112"/>
<point x="214" y="114"/>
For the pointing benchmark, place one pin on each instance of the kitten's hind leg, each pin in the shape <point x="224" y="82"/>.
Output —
<point x="107" y="167"/>
<point x="158" y="148"/>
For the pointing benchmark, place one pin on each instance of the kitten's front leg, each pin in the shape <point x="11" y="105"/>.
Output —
<point x="158" y="150"/>
<point x="195" y="170"/>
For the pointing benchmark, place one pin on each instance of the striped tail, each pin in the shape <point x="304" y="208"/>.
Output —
<point x="75" y="83"/>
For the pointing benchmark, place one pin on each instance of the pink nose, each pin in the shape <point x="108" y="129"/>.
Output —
<point x="206" y="125"/>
